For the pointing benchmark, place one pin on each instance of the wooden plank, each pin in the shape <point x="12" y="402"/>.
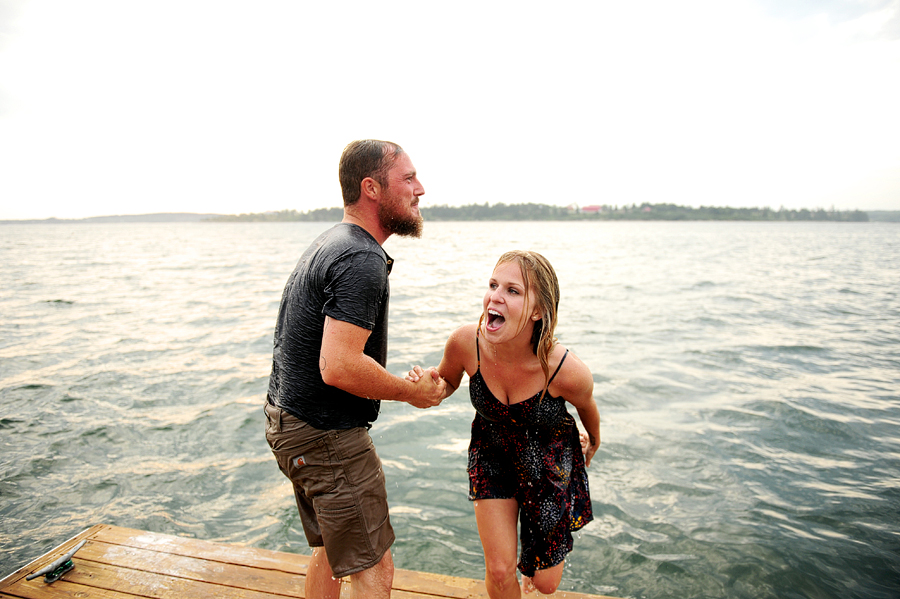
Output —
<point x="141" y="562"/>
<point x="61" y="589"/>
<point x="114" y="560"/>
<point x="438" y="585"/>
<point x="208" y="550"/>
<point x="122" y="563"/>
<point x="276" y="564"/>
<point x="143" y="583"/>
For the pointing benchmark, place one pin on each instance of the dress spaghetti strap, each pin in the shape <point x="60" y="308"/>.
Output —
<point x="558" y="367"/>
<point x="478" y="348"/>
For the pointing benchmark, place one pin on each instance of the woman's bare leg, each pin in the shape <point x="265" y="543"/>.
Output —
<point x="497" y="520"/>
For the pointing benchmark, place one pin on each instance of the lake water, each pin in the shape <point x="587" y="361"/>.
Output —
<point x="747" y="376"/>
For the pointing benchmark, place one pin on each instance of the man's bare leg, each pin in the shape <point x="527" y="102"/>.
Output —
<point x="374" y="583"/>
<point x="320" y="580"/>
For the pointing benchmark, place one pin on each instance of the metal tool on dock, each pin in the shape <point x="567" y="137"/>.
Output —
<point x="59" y="567"/>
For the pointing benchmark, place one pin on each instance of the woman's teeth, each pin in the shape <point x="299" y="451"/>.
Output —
<point x="495" y="320"/>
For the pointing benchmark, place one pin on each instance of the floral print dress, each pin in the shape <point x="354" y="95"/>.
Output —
<point x="531" y="452"/>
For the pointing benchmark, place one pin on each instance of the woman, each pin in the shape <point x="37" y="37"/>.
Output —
<point x="526" y="458"/>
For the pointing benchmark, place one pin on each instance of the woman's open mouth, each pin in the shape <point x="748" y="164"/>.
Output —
<point x="495" y="320"/>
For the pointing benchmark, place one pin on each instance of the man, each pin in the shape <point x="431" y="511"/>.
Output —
<point x="328" y="374"/>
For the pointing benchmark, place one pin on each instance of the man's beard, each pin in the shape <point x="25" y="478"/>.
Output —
<point x="396" y="223"/>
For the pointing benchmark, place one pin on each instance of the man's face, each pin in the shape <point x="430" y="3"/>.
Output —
<point x="398" y="212"/>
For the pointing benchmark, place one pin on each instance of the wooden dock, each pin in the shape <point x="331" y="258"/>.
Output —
<point x="123" y="563"/>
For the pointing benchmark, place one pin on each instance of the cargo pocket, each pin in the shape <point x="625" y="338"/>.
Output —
<point x="310" y="467"/>
<point x="364" y="473"/>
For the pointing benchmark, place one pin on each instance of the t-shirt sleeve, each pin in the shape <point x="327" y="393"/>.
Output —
<point x="356" y="289"/>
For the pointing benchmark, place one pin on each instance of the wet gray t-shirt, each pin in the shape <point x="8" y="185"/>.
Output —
<point x="344" y="275"/>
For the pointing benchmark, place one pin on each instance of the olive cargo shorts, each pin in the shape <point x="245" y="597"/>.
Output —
<point x="339" y="487"/>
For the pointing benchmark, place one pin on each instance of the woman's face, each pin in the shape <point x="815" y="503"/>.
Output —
<point x="506" y="313"/>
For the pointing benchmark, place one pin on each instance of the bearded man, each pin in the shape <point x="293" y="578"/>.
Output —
<point x="328" y="374"/>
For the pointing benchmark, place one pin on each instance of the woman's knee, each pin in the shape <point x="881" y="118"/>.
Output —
<point x="546" y="587"/>
<point x="501" y="571"/>
<point x="547" y="581"/>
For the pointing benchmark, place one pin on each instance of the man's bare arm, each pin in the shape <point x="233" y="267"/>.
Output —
<point x="344" y="365"/>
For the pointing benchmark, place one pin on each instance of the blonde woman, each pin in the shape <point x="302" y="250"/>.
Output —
<point x="527" y="459"/>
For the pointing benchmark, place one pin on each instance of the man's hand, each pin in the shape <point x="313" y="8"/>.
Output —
<point x="430" y="387"/>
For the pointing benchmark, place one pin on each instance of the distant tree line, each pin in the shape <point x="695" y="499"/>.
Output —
<point x="672" y="212"/>
<point x="885" y="216"/>
<point x="644" y="211"/>
<point x="531" y="211"/>
<point x="498" y="211"/>
<point x="317" y="215"/>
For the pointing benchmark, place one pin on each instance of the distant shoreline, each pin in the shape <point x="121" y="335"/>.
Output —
<point x="161" y="217"/>
<point x="514" y="212"/>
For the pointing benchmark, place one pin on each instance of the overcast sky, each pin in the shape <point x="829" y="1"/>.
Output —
<point x="132" y="107"/>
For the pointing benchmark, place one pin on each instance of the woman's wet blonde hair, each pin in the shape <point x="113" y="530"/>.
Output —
<point x="541" y="278"/>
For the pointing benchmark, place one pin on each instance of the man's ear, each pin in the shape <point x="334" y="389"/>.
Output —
<point x="369" y="188"/>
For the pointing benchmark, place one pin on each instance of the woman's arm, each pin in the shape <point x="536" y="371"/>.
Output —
<point x="458" y="352"/>
<point x="577" y="387"/>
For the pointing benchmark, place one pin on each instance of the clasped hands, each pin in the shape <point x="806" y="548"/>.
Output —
<point x="430" y="390"/>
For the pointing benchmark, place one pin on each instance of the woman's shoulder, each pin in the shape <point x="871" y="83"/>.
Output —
<point x="465" y="334"/>
<point x="462" y="341"/>
<point x="574" y="376"/>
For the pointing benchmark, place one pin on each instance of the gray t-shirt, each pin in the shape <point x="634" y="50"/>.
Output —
<point x="344" y="275"/>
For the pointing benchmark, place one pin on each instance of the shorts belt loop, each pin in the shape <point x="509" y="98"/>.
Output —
<point x="335" y="446"/>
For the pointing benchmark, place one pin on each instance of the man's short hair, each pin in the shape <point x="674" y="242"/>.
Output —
<point x="365" y="158"/>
